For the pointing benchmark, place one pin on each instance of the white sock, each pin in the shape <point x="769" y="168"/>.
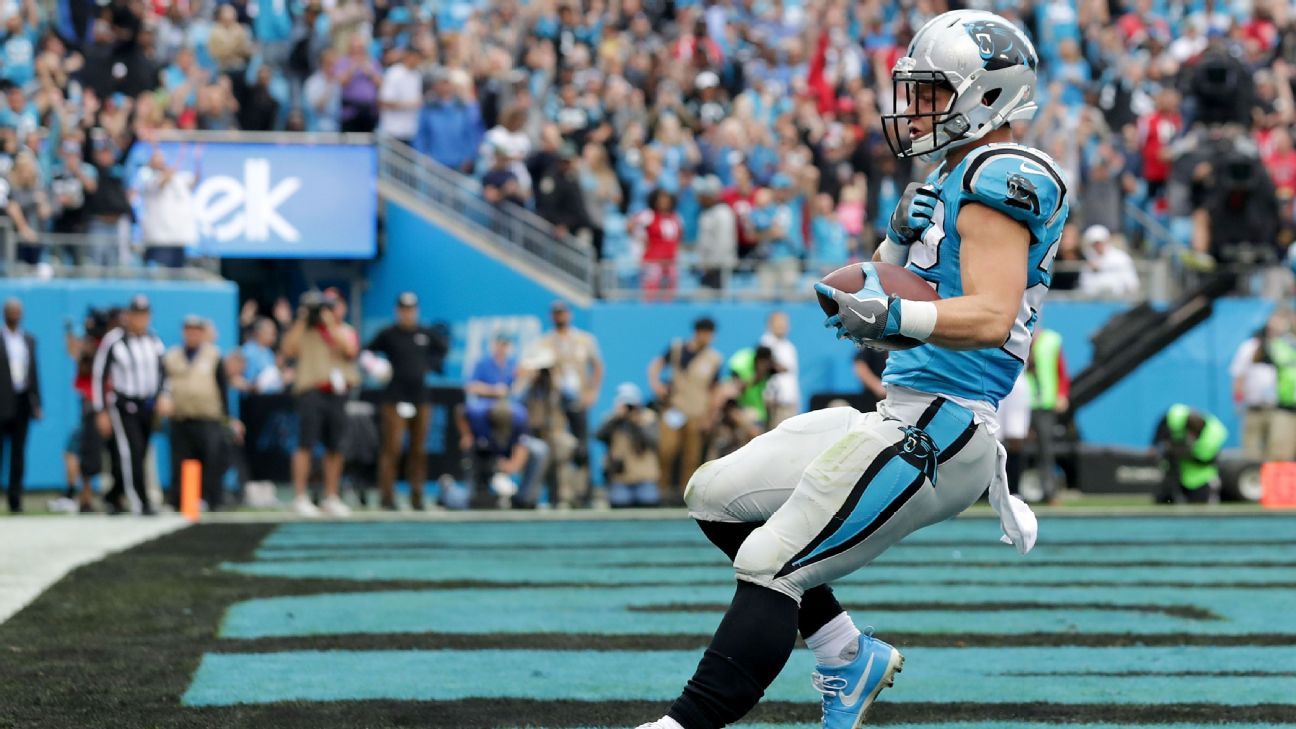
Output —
<point x="669" y="723"/>
<point x="836" y="643"/>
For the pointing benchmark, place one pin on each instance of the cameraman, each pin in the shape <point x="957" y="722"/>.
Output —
<point x="631" y="433"/>
<point x="326" y="348"/>
<point x="83" y="454"/>
<point x="504" y="464"/>
<point x="733" y="430"/>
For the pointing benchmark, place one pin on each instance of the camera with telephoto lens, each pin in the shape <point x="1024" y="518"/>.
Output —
<point x="313" y="302"/>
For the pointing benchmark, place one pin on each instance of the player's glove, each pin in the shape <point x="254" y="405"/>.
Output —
<point x="862" y="319"/>
<point x="913" y="214"/>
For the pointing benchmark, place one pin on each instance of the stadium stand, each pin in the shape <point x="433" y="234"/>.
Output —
<point x="780" y="103"/>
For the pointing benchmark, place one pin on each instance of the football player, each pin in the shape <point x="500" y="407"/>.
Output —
<point x="826" y="492"/>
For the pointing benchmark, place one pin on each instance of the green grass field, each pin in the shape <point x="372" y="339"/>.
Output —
<point x="1112" y="622"/>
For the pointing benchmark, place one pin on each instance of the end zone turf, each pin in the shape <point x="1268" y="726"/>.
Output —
<point x="1149" y="622"/>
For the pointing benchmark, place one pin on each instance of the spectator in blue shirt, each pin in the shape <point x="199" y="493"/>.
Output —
<point x="492" y="377"/>
<point x="828" y="240"/>
<point x="17" y="113"/>
<point x="262" y="366"/>
<point x="783" y="227"/>
<point x="273" y="27"/>
<point x="19" y="49"/>
<point x="450" y="126"/>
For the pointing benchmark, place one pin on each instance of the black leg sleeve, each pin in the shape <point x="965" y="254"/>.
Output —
<point x="818" y="604"/>
<point x="748" y="651"/>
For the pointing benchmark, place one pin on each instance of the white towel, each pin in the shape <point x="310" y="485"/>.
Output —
<point x="1020" y="527"/>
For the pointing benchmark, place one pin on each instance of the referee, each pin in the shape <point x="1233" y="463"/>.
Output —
<point x="127" y="382"/>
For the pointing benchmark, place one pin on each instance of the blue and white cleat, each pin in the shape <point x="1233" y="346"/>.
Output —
<point x="849" y="690"/>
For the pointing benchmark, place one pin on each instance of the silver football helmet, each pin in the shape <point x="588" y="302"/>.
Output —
<point x="986" y="61"/>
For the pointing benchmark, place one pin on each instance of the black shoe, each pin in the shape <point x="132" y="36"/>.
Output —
<point x="416" y="502"/>
<point x="147" y="510"/>
<point x="113" y="509"/>
<point x="87" y="509"/>
<point x="15" y="509"/>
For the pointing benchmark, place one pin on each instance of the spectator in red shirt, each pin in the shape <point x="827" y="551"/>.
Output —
<point x="741" y="198"/>
<point x="660" y="230"/>
<point x="1280" y="160"/>
<point x="1156" y="133"/>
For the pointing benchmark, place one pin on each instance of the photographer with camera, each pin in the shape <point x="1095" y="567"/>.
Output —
<point x="83" y="451"/>
<point x="326" y="348"/>
<point x="631" y="433"/>
<point x="1230" y="196"/>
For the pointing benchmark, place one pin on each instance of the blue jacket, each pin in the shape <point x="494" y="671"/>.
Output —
<point x="449" y="132"/>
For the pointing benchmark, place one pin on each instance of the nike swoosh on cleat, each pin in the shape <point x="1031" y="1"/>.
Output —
<point x="869" y="319"/>
<point x="850" y="699"/>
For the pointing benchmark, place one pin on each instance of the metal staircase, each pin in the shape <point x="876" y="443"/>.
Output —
<point x="511" y="233"/>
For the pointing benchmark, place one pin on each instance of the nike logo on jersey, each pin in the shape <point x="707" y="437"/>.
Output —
<point x="1032" y="168"/>
<point x="851" y="698"/>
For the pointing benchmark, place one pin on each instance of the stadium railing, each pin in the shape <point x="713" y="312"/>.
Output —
<point x="67" y="254"/>
<point x="513" y="230"/>
<point x="755" y="281"/>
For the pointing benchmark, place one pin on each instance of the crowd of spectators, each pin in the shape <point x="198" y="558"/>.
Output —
<point x="624" y="122"/>
<point x="658" y="112"/>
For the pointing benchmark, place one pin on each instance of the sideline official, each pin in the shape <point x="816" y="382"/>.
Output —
<point x="130" y="357"/>
<point x="413" y="351"/>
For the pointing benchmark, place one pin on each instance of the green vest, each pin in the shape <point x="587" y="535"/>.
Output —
<point x="1200" y="469"/>
<point x="1283" y="355"/>
<point x="752" y="397"/>
<point x="1043" y="374"/>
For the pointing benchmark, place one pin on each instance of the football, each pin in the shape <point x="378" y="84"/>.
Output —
<point x="883" y="279"/>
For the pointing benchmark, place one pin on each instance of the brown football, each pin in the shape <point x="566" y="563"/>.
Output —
<point x="884" y="279"/>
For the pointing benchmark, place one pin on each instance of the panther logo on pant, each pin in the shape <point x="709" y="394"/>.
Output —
<point x="920" y="451"/>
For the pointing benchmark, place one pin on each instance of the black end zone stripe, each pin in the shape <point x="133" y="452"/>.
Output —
<point x="953" y="449"/>
<point x="883" y="457"/>
<point x="1019" y="152"/>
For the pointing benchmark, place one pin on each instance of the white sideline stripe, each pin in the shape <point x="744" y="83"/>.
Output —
<point x="37" y="551"/>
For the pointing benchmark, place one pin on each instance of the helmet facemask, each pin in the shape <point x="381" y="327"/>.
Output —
<point x="947" y="126"/>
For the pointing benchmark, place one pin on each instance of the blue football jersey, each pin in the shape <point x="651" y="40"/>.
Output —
<point x="1026" y="185"/>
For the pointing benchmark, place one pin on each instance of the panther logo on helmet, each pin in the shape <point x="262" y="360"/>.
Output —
<point x="998" y="45"/>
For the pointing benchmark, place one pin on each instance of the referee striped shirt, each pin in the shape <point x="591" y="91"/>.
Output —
<point x="132" y="363"/>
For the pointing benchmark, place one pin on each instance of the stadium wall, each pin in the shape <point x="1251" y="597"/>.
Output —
<point x="49" y="304"/>
<point x="477" y="295"/>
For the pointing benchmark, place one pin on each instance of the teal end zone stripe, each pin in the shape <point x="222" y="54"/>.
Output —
<point x="1000" y="725"/>
<point x="684" y="532"/>
<point x="931" y="675"/>
<point x="879" y="493"/>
